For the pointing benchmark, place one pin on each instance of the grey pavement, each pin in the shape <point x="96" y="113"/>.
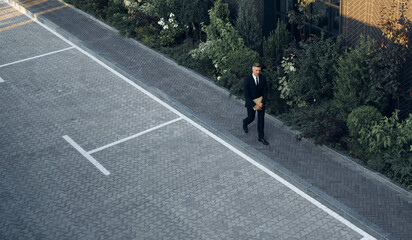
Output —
<point x="176" y="182"/>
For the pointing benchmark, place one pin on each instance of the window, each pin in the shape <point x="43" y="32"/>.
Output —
<point x="329" y="17"/>
<point x="328" y="20"/>
<point x="282" y="8"/>
<point x="332" y="3"/>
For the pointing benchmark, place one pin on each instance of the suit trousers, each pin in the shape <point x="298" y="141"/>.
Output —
<point x="251" y="116"/>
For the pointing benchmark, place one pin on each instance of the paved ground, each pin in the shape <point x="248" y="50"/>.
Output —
<point x="175" y="181"/>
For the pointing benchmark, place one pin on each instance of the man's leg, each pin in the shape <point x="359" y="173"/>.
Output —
<point x="261" y="123"/>
<point x="250" y="117"/>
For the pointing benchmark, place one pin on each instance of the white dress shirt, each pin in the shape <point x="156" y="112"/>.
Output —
<point x="256" y="79"/>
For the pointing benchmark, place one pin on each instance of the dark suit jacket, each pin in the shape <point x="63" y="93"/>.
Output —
<point x="251" y="91"/>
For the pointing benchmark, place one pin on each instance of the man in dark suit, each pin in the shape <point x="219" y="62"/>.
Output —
<point x="255" y="86"/>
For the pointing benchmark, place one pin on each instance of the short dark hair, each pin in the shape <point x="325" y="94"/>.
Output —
<point x="256" y="65"/>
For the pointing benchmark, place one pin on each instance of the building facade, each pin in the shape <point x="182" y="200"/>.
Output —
<point x="348" y="18"/>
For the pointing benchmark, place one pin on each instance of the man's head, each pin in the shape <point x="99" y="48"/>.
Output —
<point x="256" y="68"/>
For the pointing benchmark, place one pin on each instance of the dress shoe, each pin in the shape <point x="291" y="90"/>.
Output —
<point x="245" y="129"/>
<point x="262" y="140"/>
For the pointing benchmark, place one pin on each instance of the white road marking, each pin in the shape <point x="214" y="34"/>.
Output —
<point x="134" y="136"/>
<point x="39" y="56"/>
<point x="86" y="155"/>
<point x="224" y="143"/>
<point x="1" y="80"/>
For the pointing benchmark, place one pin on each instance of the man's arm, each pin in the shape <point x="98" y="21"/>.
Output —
<point x="246" y="92"/>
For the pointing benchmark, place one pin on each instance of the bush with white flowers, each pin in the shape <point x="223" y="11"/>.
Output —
<point x="170" y="30"/>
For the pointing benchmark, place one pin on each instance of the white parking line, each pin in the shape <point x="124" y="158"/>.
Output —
<point x="39" y="56"/>
<point x="86" y="155"/>
<point x="134" y="136"/>
<point x="224" y="143"/>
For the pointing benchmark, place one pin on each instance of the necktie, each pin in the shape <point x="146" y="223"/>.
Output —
<point x="257" y="81"/>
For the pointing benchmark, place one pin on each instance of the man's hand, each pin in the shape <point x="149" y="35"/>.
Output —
<point x="261" y="105"/>
<point x="258" y="106"/>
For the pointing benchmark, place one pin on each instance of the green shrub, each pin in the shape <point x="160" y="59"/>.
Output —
<point x="353" y="87"/>
<point x="158" y="8"/>
<point x="248" y="25"/>
<point x="275" y="104"/>
<point x="118" y="17"/>
<point x="390" y="147"/>
<point x="274" y="46"/>
<point x="367" y="75"/>
<point x="84" y="5"/>
<point x="170" y="30"/>
<point x="225" y="49"/>
<point x="219" y="21"/>
<point x="192" y="14"/>
<point x="386" y="66"/>
<point x="240" y="64"/>
<point x="98" y="8"/>
<point x="389" y="135"/>
<point x="402" y="168"/>
<point x="309" y="72"/>
<point x="363" y="117"/>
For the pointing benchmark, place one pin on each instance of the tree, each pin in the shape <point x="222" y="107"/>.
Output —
<point x="248" y="25"/>
<point x="366" y="75"/>
<point x="394" y="28"/>
<point x="193" y="13"/>
<point x="225" y="48"/>
<point x="275" y="45"/>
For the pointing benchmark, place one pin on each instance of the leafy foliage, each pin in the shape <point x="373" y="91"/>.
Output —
<point x="240" y="65"/>
<point x="172" y="18"/>
<point x="117" y="16"/>
<point x="305" y="3"/>
<point x="385" y="67"/>
<point x="193" y="13"/>
<point x="219" y="18"/>
<point x="353" y="87"/>
<point x="361" y="119"/>
<point x="275" y="104"/>
<point x="395" y="26"/>
<point x="389" y="135"/>
<point x="90" y="6"/>
<point x="367" y="75"/>
<point x="309" y="72"/>
<point x="170" y="30"/>
<point x="156" y="8"/>
<point x="248" y="25"/>
<point x="390" y="147"/>
<point x="275" y="45"/>
<point x="225" y="48"/>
